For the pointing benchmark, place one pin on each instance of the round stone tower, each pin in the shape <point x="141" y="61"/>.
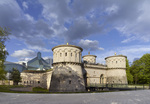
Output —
<point x="67" y="73"/>
<point x="89" y="58"/>
<point x="116" y="72"/>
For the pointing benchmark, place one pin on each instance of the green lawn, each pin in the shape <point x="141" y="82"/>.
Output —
<point x="40" y="90"/>
<point x="6" y="88"/>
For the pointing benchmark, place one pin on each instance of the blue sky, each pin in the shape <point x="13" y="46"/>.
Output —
<point x="102" y="27"/>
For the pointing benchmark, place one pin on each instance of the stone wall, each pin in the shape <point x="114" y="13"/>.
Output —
<point x="36" y="79"/>
<point x="95" y="74"/>
<point x="67" y="53"/>
<point x="6" y="82"/>
<point x="117" y="76"/>
<point x="116" y="72"/>
<point x="67" y="77"/>
<point x="89" y="59"/>
<point x="118" y="61"/>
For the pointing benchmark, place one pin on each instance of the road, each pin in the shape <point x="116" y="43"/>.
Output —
<point x="123" y="97"/>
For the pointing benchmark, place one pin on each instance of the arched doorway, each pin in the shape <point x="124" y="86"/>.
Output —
<point x="101" y="79"/>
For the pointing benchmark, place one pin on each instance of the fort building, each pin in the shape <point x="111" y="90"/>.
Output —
<point x="73" y="73"/>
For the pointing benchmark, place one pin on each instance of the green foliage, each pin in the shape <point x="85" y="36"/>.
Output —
<point x="140" y="70"/>
<point x="6" y="88"/>
<point x="129" y="75"/>
<point x="39" y="89"/>
<point x="49" y="70"/>
<point x="3" y="53"/>
<point x="15" y="76"/>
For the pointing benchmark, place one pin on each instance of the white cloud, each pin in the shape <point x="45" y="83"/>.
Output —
<point x="91" y="45"/>
<point x="39" y="48"/>
<point x="129" y="39"/>
<point x="23" y="26"/>
<point x="24" y="53"/>
<point x="131" y="18"/>
<point x="25" y="59"/>
<point x="28" y="17"/>
<point x="24" y="4"/>
<point x="132" y="52"/>
<point x="112" y="9"/>
<point x="47" y="57"/>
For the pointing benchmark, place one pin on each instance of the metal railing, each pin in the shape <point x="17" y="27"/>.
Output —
<point x="118" y="85"/>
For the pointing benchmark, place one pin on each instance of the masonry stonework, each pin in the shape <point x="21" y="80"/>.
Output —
<point x="70" y="74"/>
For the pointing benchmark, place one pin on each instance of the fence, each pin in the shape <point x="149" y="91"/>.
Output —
<point x="96" y="86"/>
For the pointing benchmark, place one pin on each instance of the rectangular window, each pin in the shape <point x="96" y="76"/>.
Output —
<point x="69" y="81"/>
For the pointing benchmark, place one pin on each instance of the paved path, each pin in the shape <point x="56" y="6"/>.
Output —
<point x="25" y="89"/>
<point x="124" y="97"/>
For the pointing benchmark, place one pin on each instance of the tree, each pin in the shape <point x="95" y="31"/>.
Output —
<point x="140" y="70"/>
<point x="3" y="53"/>
<point x="129" y="75"/>
<point x="15" y="76"/>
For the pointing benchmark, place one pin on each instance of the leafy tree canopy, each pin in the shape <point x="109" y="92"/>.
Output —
<point x="15" y="76"/>
<point x="129" y="75"/>
<point x="140" y="70"/>
<point x="4" y="32"/>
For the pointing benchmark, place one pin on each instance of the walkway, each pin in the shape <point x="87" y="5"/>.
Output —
<point x="124" y="97"/>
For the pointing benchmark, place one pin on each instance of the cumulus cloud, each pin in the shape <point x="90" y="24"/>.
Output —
<point x="24" y="26"/>
<point x="132" y="52"/>
<point x="24" y="53"/>
<point x="99" y="16"/>
<point x="73" y="20"/>
<point x="90" y="45"/>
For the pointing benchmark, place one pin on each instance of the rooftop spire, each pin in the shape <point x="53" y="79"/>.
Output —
<point x="89" y="53"/>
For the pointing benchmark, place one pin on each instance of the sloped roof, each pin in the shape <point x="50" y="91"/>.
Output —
<point x="37" y="62"/>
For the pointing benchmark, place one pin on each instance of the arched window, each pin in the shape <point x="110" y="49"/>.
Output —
<point x="116" y="62"/>
<point x="71" y="54"/>
<point x="66" y="54"/>
<point x="60" y="54"/>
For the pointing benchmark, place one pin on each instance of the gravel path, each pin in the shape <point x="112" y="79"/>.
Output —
<point x="123" y="97"/>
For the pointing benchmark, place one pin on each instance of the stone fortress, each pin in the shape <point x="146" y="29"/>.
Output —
<point x="72" y="74"/>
